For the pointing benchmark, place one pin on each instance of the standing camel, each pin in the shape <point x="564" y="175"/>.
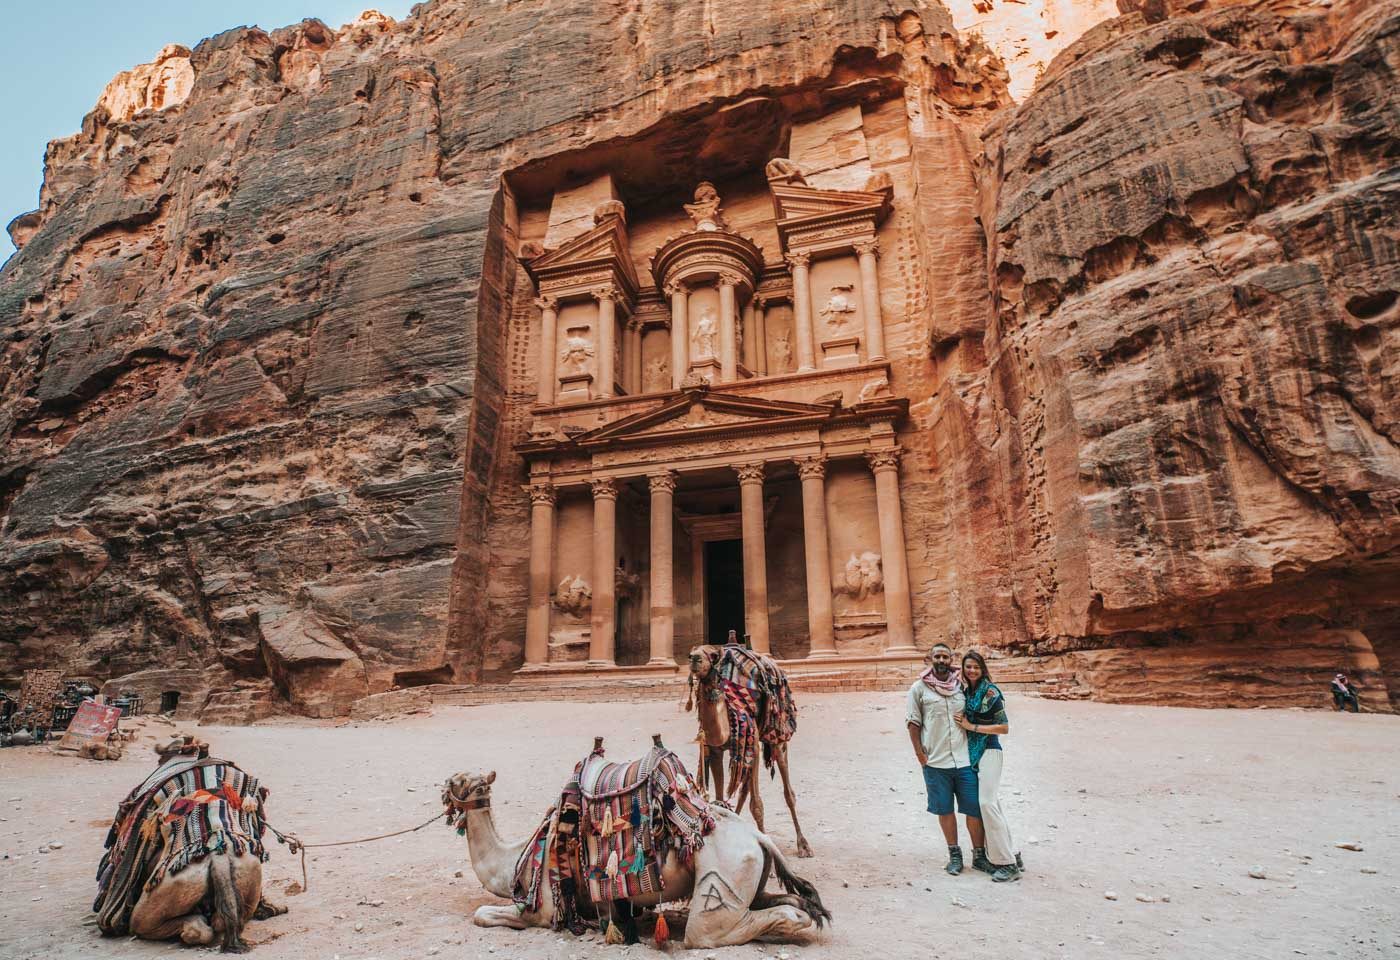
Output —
<point x="724" y="882"/>
<point x="737" y="716"/>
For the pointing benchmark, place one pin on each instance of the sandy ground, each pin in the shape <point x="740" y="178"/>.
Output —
<point x="1152" y="802"/>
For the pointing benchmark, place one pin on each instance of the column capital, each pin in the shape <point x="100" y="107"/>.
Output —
<point x="728" y="279"/>
<point x="749" y="472"/>
<point x="604" y="291"/>
<point x="604" y="488"/>
<point x="664" y="482"/>
<point x="867" y="247"/>
<point x="673" y="287"/>
<point x="760" y="301"/>
<point x="634" y="324"/>
<point x="811" y="468"/>
<point x="798" y="259"/>
<point x="881" y="460"/>
<point x="544" y="302"/>
<point x="542" y="491"/>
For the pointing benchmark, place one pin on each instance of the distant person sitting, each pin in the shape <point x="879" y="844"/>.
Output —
<point x="1344" y="694"/>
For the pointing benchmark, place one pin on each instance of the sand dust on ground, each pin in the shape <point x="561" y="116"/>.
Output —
<point x="1168" y="809"/>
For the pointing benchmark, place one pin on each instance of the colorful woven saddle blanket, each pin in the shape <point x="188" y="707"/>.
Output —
<point x="183" y="812"/>
<point x="759" y="702"/>
<point x="610" y="835"/>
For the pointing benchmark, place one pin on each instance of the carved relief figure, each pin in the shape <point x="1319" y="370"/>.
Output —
<point x="577" y="350"/>
<point x="782" y="354"/>
<point x="657" y="374"/>
<point x="706" y="331"/>
<point x="839" y="309"/>
<point x="705" y="210"/>
<point x="573" y="596"/>
<point x="864" y="576"/>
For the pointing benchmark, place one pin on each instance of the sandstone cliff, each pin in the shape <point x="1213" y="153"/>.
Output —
<point x="253" y="389"/>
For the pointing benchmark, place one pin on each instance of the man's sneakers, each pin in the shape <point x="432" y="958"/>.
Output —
<point x="980" y="861"/>
<point x="955" y="861"/>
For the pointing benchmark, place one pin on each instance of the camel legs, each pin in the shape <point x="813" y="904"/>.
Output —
<point x="755" y="799"/>
<point x="728" y="871"/>
<point x="497" y="916"/>
<point x="714" y="760"/>
<point x="170" y="910"/>
<point x="803" y="849"/>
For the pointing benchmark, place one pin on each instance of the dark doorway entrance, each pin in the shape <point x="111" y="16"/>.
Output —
<point x="724" y="589"/>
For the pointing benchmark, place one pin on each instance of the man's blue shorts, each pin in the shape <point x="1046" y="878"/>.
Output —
<point x="943" y="785"/>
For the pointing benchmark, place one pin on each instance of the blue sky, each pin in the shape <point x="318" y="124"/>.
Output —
<point x="57" y="55"/>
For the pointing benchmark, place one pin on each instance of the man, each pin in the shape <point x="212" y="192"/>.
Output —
<point x="940" y="744"/>
<point x="1344" y="694"/>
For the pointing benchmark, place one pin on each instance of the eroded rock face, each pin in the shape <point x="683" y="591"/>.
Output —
<point x="253" y="390"/>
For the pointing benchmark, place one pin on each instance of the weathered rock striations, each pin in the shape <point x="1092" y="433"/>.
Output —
<point x="260" y="381"/>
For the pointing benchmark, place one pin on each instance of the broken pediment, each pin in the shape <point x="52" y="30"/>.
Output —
<point x="598" y="255"/>
<point x="812" y="219"/>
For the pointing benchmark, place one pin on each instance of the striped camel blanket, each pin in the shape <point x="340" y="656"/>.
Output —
<point x="614" y="827"/>
<point x="183" y="812"/>
<point x="760" y="706"/>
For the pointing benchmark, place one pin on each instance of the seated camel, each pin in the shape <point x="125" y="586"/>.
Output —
<point x="185" y="854"/>
<point x="721" y="866"/>
<point x="745" y="706"/>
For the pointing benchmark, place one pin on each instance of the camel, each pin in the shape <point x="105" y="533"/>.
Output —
<point x="716" y="738"/>
<point x="725" y="882"/>
<point x="224" y="884"/>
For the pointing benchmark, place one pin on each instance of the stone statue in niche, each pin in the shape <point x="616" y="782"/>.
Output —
<point x="577" y="350"/>
<point x="657" y="374"/>
<point x="573" y="596"/>
<point x="784" y="170"/>
<point x="839" y="309"/>
<point x="782" y="354"/>
<point x="864" y="576"/>
<point x="706" y="331"/>
<point x="705" y="210"/>
<point x="875" y="389"/>
<point x="626" y="585"/>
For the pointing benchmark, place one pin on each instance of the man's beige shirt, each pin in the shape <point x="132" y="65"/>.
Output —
<point x="944" y="741"/>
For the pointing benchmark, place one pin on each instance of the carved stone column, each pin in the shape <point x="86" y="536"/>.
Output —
<point x="802" y="309"/>
<point x="868" y="252"/>
<point x="634" y="356"/>
<point x="542" y="497"/>
<point x="759" y="336"/>
<point x="602" y="640"/>
<point x="899" y="615"/>
<point x="663" y="613"/>
<point x="680" y="336"/>
<point x="549" y="321"/>
<point x="607" y="334"/>
<point x="755" y="554"/>
<point x="812" y="470"/>
<point x="728" y="318"/>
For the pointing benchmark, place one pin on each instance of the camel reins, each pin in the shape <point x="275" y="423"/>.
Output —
<point x="296" y="845"/>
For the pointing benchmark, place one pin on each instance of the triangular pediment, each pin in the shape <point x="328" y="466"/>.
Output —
<point x="700" y="412"/>
<point x="793" y="201"/>
<point x="603" y="245"/>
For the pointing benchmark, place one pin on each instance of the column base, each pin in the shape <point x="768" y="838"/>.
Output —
<point x="823" y="655"/>
<point x="600" y="664"/>
<point x="904" y="651"/>
<point x="662" y="662"/>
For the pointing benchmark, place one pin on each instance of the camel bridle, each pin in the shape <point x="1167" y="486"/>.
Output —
<point x="470" y="801"/>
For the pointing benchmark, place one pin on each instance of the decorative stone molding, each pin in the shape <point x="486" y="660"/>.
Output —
<point x="573" y="596"/>
<point x="609" y="208"/>
<point x="811" y="468"/>
<point x="749" y="472"/>
<point x="705" y="211"/>
<point x="662" y="482"/>
<point x="604" y="488"/>
<point x="541" y="492"/>
<point x="883" y="459"/>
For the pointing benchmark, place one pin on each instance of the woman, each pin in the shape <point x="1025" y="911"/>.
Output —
<point x="985" y="721"/>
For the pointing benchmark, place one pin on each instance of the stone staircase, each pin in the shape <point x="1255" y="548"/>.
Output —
<point x="247" y="702"/>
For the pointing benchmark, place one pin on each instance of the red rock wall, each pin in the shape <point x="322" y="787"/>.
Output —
<point x="259" y="376"/>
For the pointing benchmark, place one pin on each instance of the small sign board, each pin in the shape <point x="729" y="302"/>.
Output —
<point x="91" y="724"/>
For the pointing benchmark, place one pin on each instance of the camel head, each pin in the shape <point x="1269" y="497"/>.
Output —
<point x="703" y="659"/>
<point x="183" y="745"/>
<point x="464" y="792"/>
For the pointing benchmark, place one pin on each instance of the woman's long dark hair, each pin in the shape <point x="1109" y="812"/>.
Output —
<point x="976" y="657"/>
